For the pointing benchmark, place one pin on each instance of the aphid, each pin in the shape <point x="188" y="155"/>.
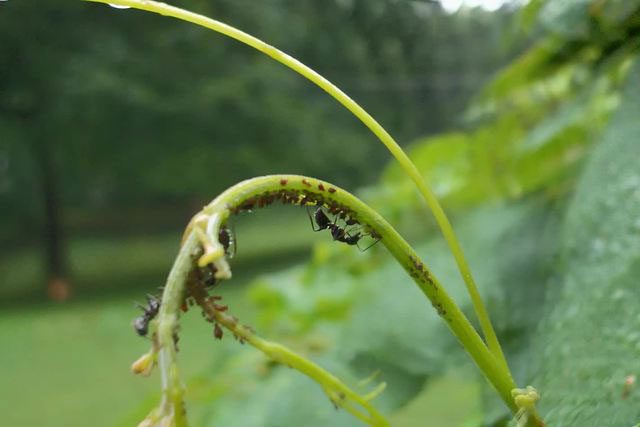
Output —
<point x="141" y="323"/>
<point x="206" y="275"/>
<point x="217" y="332"/>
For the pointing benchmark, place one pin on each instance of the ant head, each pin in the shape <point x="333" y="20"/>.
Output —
<point x="153" y="305"/>
<point x="338" y="233"/>
<point x="228" y="241"/>
<point x="321" y="218"/>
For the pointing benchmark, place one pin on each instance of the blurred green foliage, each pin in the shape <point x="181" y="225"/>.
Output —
<point x="589" y="341"/>
<point x="134" y="114"/>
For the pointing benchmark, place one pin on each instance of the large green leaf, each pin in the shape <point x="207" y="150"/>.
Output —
<point x="589" y="342"/>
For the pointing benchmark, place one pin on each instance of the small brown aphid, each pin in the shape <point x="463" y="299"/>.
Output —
<point x="441" y="311"/>
<point x="217" y="332"/>
<point x="320" y="187"/>
<point x="332" y="190"/>
<point x="283" y="181"/>
<point x="176" y="338"/>
<point x="220" y="307"/>
<point x="305" y="182"/>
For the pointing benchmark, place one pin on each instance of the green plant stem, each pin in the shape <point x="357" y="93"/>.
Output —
<point x="406" y="164"/>
<point x="339" y="393"/>
<point x="258" y="191"/>
<point x="172" y="405"/>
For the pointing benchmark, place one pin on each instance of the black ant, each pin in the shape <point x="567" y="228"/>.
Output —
<point x="207" y="274"/>
<point x="338" y="233"/>
<point x="228" y="241"/>
<point x="141" y="323"/>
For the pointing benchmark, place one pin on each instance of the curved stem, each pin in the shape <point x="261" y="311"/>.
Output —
<point x="167" y="329"/>
<point x="172" y="404"/>
<point x="410" y="169"/>
<point x="339" y="393"/>
<point x="300" y="190"/>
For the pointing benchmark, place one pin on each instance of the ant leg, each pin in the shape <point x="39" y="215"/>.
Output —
<point x="372" y="244"/>
<point x="313" y="225"/>
<point x="321" y="220"/>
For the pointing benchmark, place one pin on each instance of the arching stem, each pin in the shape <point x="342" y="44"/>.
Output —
<point x="300" y="190"/>
<point x="396" y="151"/>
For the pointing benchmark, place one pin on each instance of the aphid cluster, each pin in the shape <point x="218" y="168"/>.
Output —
<point x="141" y="323"/>
<point x="293" y="197"/>
<point x="325" y="205"/>
<point x="420" y="272"/>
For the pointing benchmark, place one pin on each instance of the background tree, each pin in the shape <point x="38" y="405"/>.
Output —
<point x="124" y="113"/>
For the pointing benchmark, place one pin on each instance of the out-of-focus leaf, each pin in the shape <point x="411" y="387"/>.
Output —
<point x="451" y="401"/>
<point x="282" y="398"/>
<point x="589" y="342"/>
<point x="532" y="66"/>
<point x="496" y="162"/>
<point x="577" y="19"/>
<point x="568" y="17"/>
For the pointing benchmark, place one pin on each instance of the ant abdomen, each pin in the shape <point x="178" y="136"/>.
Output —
<point x="141" y="323"/>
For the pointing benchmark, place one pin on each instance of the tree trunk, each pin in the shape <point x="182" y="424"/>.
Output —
<point x="58" y="285"/>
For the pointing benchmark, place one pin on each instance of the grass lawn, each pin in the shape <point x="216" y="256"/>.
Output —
<point x="69" y="365"/>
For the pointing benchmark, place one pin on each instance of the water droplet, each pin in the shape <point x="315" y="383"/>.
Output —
<point x="115" y="6"/>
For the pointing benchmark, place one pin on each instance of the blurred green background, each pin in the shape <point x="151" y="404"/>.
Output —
<point x="117" y="125"/>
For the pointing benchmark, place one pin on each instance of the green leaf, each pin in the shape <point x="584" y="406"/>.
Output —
<point x="568" y="17"/>
<point x="589" y="342"/>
